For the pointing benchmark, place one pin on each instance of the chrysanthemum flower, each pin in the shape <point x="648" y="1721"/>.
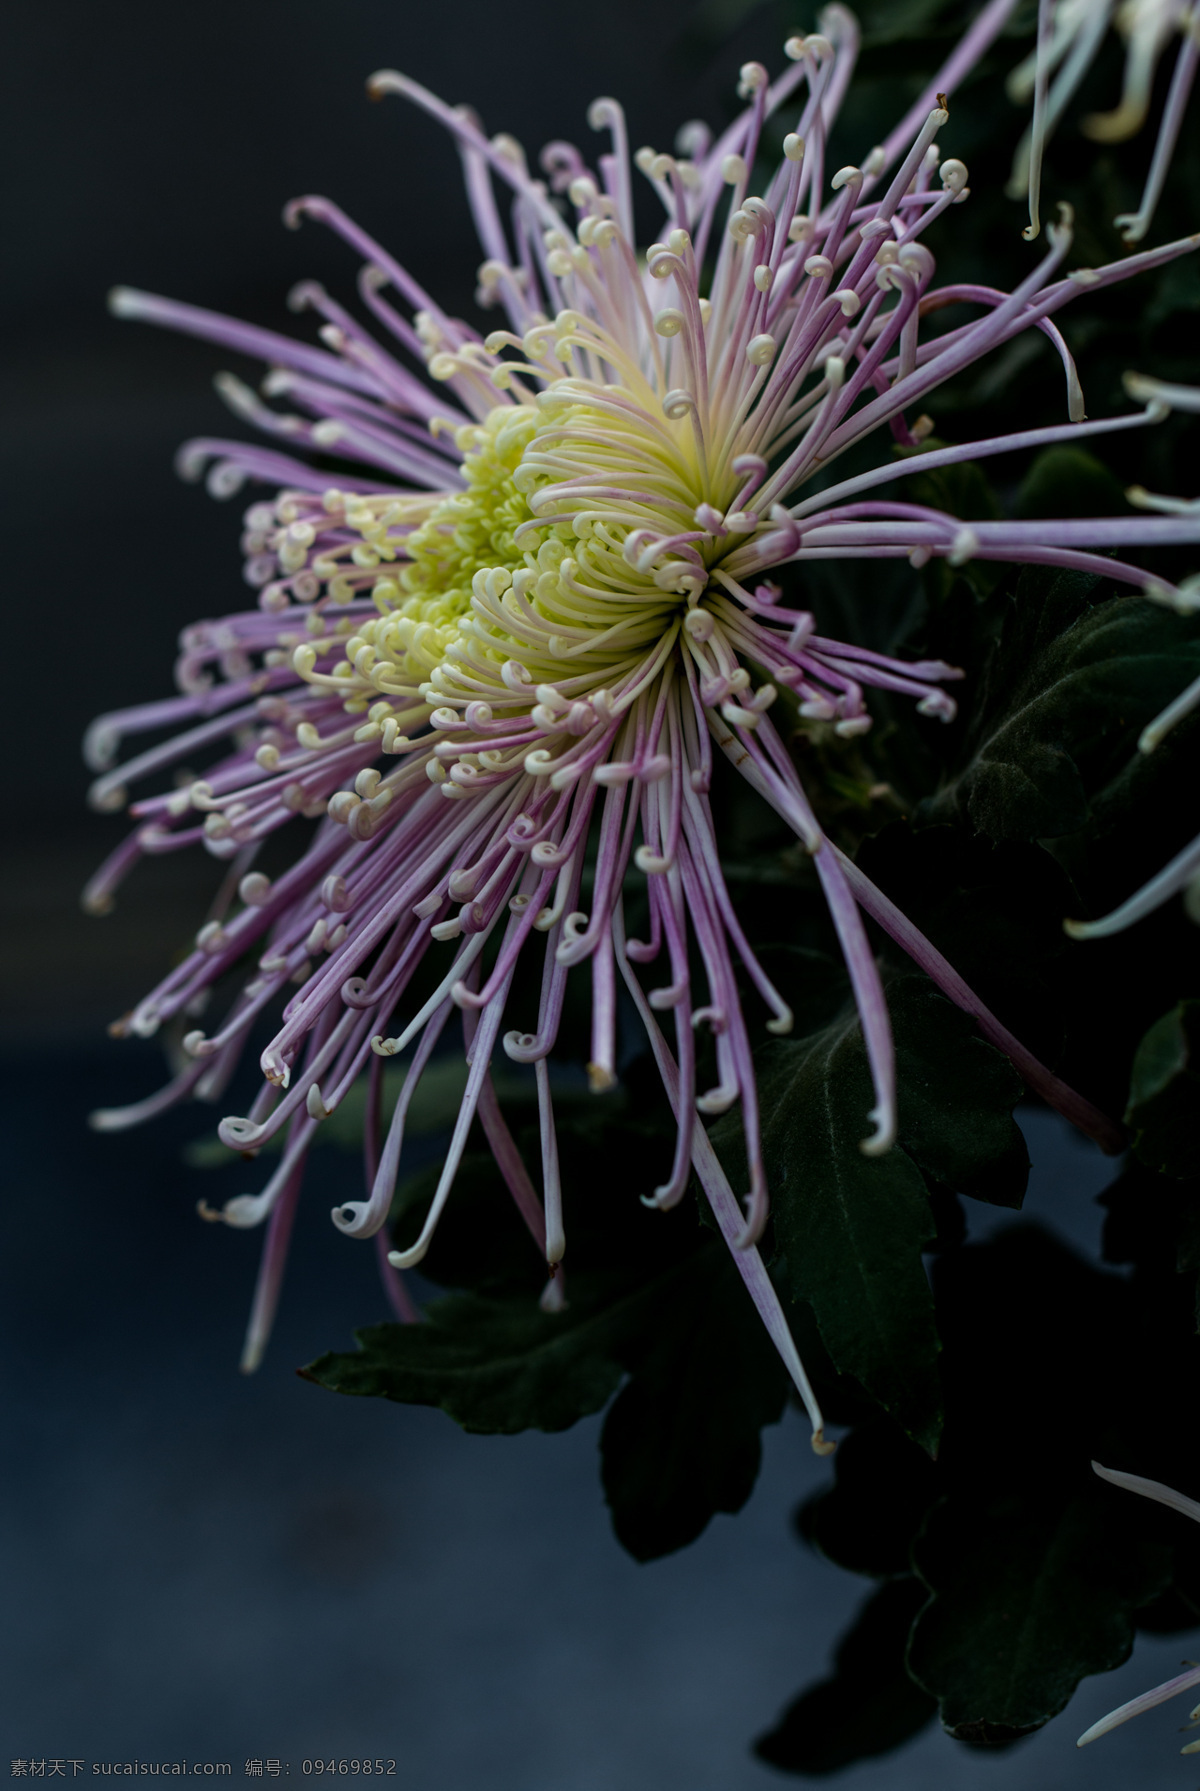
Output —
<point x="1069" y="34"/>
<point x="521" y="624"/>
<point x="1174" y="1501"/>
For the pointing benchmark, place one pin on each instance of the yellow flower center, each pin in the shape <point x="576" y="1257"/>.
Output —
<point x="568" y="559"/>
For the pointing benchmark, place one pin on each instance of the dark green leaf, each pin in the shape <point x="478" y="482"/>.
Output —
<point x="1164" y="1094"/>
<point x="1153" y="1221"/>
<point x="955" y="1111"/>
<point x="498" y="1366"/>
<point x="1145" y="1215"/>
<point x="850" y="1229"/>
<point x="1187" y="1250"/>
<point x="1067" y="482"/>
<point x="907" y="23"/>
<point x="869" y="1706"/>
<point x="965" y="491"/>
<point x="962" y="489"/>
<point x="1028" y="1598"/>
<point x="1066" y="694"/>
<point x="1039" y="1570"/>
<point x="682" y="1440"/>
<point x="1178" y="291"/>
<point x="995" y="911"/>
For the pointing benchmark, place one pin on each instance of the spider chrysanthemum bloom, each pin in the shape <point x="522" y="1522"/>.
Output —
<point x="519" y="627"/>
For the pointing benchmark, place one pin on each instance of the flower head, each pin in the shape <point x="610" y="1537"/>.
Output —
<point x="521" y="624"/>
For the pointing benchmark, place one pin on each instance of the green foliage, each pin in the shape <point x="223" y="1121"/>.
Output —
<point x="1153" y="1222"/>
<point x="1068" y="689"/>
<point x="1070" y="482"/>
<point x="963" y="488"/>
<point x="850" y="1229"/>
<point x="994" y="910"/>
<point x="1029" y="1596"/>
<point x="1164" y="1093"/>
<point x="492" y="1365"/>
<point x="1178" y="292"/>
<point x="1036" y="1571"/>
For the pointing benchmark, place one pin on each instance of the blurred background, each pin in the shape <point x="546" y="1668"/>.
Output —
<point x="199" y="1565"/>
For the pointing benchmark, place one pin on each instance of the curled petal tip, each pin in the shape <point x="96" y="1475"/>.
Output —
<point x="384" y="80"/>
<point x="821" y="1444"/>
<point x="667" y="1196"/>
<point x="294" y="212"/>
<point x="882" y="1138"/>
<point x="352" y="1219"/>
<point x="408" y="1259"/>
<point x="752" y="1230"/>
